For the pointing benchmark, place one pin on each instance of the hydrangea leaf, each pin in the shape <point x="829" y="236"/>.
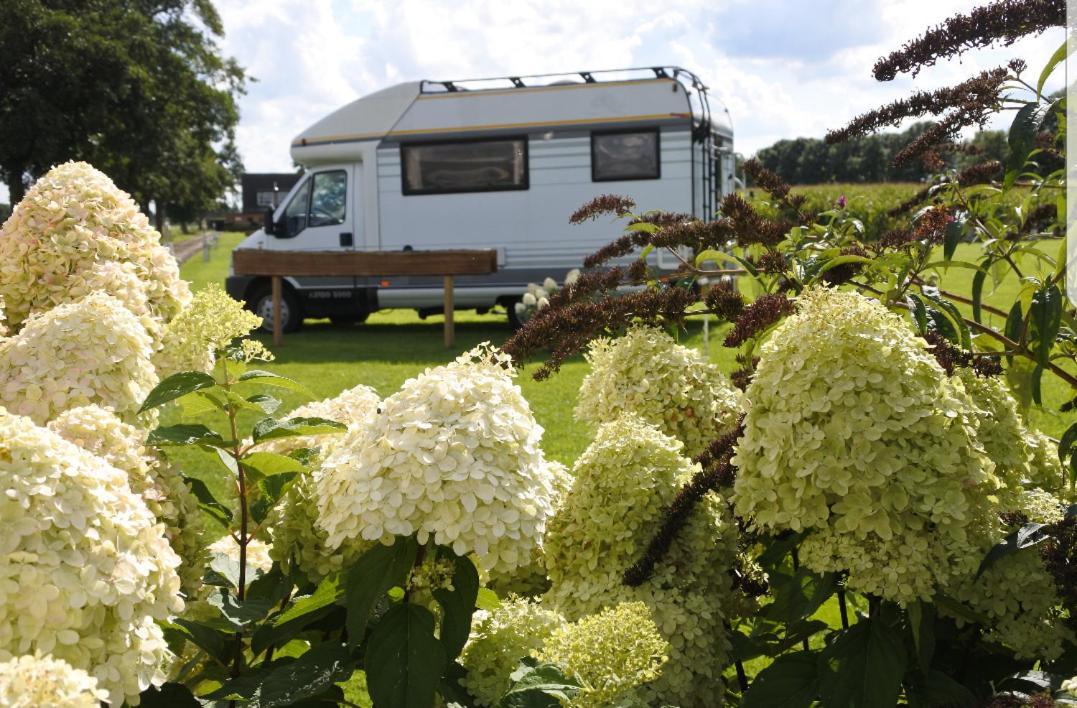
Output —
<point x="404" y="661"/>
<point x="175" y="386"/>
<point x="863" y="666"/>
<point x="373" y="574"/>
<point x="458" y="604"/>
<point x="284" y="683"/>
<point x="791" y="681"/>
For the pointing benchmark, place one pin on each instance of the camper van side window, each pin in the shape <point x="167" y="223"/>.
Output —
<point x="464" y="166"/>
<point x="327" y="199"/>
<point x="625" y="155"/>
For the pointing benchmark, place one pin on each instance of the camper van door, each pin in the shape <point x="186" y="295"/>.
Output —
<point x="320" y="213"/>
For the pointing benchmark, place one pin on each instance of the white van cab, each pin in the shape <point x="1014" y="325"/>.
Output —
<point x="488" y="164"/>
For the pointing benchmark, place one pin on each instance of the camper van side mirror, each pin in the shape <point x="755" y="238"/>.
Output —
<point x="267" y="222"/>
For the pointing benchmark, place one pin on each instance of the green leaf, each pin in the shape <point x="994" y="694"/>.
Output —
<point x="404" y="661"/>
<point x="1060" y="54"/>
<point x="1022" y="139"/>
<point x="1037" y="385"/>
<point x="951" y="237"/>
<point x="863" y="666"/>
<point x="272" y="429"/>
<point x="370" y="578"/>
<point x="539" y="686"/>
<point x="922" y="624"/>
<point x="977" y="292"/>
<point x="791" y="681"/>
<point x="301" y="612"/>
<point x="1025" y="537"/>
<point x="941" y="690"/>
<point x="797" y="596"/>
<point x="207" y="501"/>
<point x="270" y="379"/>
<point x="1045" y="320"/>
<point x="267" y="403"/>
<point x="170" y="695"/>
<point x="175" y="386"/>
<point x="1069" y="438"/>
<point x="458" y="604"/>
<point x="919" y="312"/>
<point x="240" y="614"/>
<point x="952" y="314"/>
<point x="287" y="682"/>
<point x="487" y="600"/>
<point x="184" y="434"/>
<point x="216" y="642"/>
<point x="269" y="464"/>
<point x="1015" y="324"/>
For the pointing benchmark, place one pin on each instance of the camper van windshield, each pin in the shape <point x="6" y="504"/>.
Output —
<point x="464" y="166"/>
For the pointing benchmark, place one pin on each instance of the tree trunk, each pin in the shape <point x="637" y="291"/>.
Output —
<point x="159" y="217"/>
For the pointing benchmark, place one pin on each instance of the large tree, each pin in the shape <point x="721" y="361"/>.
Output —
<point x="137" y="87"/>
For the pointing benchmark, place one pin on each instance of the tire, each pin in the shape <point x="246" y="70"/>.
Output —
<point x="260" y="303"/>
<point x="510" y="308"/>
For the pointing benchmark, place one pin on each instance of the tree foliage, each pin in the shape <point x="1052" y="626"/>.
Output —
<point x="140" y="89"/>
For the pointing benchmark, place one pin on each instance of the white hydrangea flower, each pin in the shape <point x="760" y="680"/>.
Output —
<point x="296" y="536"/>
<point x="514" y="630"/>
<point x="572" y="276"/>
<point x="154" y="479"/>
<point x="671" y="386"/>
<point x="454" y="456"/>
<point x="75" y="233"/>
<point x="258" y="559"/>
<point x="39" y="681"/>
<point x="206" y="327"/>
<point x="85" y="570"/>
<point x="623" y="483"/>
<point x="529" y="300"/>
<point x="92" y="351"/>
<point x="549" y="285"/>
<point x="3" y="320"/>
<point x="1070" y="686"/>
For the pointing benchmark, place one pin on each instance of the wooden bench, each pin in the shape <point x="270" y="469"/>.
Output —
<point x="447" y="264"/>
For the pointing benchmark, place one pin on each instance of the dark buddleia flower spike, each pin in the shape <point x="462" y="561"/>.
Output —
<point x="606" y="204"/>
<point x="981" y="89"/>
<point x="567" y="329"/>
<point x="772" y="263"/>
<point x="716" y="471"/>
<point x="725" y="301"/>
<point x="765" y="179"/>
<point x="846" y="271"/>
<point x="749" y="226"/>
<point x="951" y="358"/>
<point x="757" y="317"/>
<point x="998" y="24"/>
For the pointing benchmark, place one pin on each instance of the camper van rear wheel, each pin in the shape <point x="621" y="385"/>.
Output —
<point x="261" y="303"/>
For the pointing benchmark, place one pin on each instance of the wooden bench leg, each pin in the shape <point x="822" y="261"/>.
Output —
<point x="450" y="331"/>
<point x="278" y="337"/>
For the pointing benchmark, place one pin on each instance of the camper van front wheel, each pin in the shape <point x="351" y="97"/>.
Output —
<point x="261" y="303"/>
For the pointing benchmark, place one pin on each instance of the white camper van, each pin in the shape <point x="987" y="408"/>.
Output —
<point x="490" y="163"/>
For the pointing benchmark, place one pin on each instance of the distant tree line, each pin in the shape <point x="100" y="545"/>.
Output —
<point x="868" y="159"/>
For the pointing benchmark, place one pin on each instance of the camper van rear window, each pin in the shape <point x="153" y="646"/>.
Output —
<point x="625" y="155"/>
<point x="464" y="166"/>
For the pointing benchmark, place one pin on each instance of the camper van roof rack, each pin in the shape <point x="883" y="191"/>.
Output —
<point x="693" y="85"/>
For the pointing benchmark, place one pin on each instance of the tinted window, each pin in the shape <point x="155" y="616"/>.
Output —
<point x="465" y="166"/>
<point x="328" y="197"/>
<point x="624" y="155"/>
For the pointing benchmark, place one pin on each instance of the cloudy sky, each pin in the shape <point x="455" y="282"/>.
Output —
<point x="784" y="68"/>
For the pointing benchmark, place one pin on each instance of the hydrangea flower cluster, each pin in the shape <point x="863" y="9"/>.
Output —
<point x="454" y="456"/>
<point x="623" y="483"/>
<point x="85" y="570"/>
<point x="1018" y="596"/>
<point x="3" y="320"/>
<point x="612" y="652"/>
<point x="159" y="484"/>
<point x="297" y="540"/>
<point x="856" y="433"/>
<point x="515" y="630"/>
<point x="531" y="580"/>
<point x="208" y="326"/>
<point x="1069" y="686"/>
<point x="671" y="386"/>
<point x="37" y="681"/>
<point x="75" y="233"/>
<point x="93" y="351"/>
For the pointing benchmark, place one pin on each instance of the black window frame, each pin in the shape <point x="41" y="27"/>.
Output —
<point x="525" y="185"/>
<point x="629" y="131"/>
